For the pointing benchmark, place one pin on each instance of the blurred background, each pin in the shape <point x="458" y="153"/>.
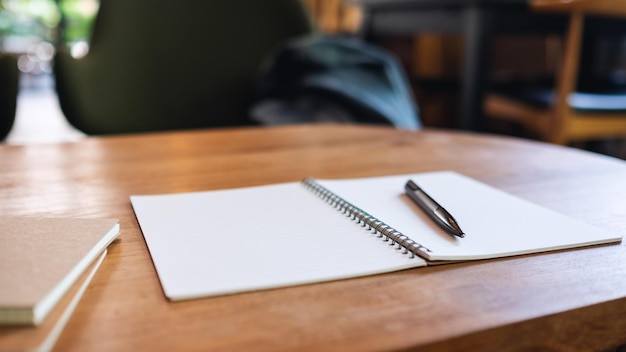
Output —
<point x="29" y="29"/>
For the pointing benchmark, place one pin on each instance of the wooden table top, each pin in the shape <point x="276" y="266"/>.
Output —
<point x="570" y="299"/>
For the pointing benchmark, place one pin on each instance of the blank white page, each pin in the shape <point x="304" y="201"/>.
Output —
<point x="496" y="223"/>
<point x="228" y="241"/>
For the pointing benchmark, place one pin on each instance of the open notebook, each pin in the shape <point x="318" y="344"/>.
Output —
<point x="228" y="241"/>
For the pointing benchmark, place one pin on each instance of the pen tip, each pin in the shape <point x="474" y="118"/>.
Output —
<point x="462" y="235"/>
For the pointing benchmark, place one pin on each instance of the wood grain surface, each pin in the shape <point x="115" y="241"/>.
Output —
<point x="570" y="300"/>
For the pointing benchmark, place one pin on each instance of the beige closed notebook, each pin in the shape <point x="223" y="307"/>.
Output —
<point x="44" y="336"/>
<point x="41" y="258"/>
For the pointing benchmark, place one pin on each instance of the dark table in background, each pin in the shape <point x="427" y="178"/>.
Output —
<point x="477" y="20"/>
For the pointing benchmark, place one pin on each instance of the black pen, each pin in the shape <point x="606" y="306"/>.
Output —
<point x="433" y="209"/>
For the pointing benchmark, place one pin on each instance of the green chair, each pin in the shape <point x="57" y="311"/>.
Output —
<point x="9" y="82"/>
<point x="166" y="65"/>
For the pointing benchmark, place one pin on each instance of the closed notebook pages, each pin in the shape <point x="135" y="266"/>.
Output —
<point x="44" y="336"/>
<point x="40" y="258"/>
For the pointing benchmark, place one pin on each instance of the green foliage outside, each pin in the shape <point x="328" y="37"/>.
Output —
<point x="79" y="16"/>
<point x="40" y="19"/>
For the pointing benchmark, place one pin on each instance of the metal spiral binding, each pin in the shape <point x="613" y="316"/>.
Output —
<point x="367" y="221"/>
